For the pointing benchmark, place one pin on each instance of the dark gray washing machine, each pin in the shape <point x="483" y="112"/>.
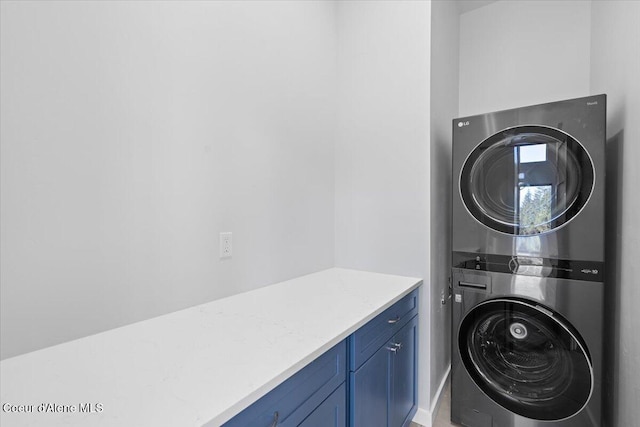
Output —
<point x="528" y="261"/>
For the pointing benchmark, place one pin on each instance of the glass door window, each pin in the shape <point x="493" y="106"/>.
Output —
<point x="526" y="359"/>
<point x="527" y="180"/>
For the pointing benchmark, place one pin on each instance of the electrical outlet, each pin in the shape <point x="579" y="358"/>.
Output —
<point x="226" y="245"/>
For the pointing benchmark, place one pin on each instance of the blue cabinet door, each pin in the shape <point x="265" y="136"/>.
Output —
<point x="331" y="413"/>
<point x="369" y="394"/>
<point x="403" y="396"/>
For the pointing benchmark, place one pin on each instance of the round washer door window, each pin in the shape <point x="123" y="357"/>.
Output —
<point x="527" y="180"/>
<point x="526" y="359"/>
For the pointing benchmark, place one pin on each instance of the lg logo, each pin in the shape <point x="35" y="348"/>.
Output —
<point x="460" y="124"/>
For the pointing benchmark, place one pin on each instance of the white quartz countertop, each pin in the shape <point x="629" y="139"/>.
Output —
<point x="201" y="365"/>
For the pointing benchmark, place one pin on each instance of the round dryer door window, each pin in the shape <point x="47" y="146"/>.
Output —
<point x="526" y="359"/>
<point x="527" y="180"/>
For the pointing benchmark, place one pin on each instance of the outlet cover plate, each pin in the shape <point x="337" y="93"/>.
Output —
<point x="226" y="245"/>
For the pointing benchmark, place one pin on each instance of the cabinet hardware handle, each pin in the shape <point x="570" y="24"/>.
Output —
<point x="397" y="345"/>
<point x="275" y="419"/>
<point x="393" y="349"/>
<point x="392" y="321"/>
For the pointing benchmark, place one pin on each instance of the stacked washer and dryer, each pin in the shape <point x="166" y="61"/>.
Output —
<point x="527" y="266"/>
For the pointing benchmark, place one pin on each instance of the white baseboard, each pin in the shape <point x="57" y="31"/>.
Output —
<point x="423" y="418"/>
<point x="427" y="418"/>
<point x="438" y="398"/>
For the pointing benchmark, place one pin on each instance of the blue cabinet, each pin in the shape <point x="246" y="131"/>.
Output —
<point x="383" y="389"/>
<point x="371" y="385"/>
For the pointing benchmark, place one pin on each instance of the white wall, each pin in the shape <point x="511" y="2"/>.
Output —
<point x="445" y="36"/>
<point x="516" y="53"/>
<point x="134" y="132"/>
<point x="382" y="146"/>
<point x="615" y="70"/>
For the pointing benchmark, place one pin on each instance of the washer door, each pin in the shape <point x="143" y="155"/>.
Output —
<point x="526" y="359"/>
<point x="527" y="180"/>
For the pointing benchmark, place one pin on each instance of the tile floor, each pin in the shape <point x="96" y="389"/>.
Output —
<point x="444" y="412"/>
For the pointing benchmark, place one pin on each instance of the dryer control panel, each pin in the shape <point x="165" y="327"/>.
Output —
<point x="591" y="271"/>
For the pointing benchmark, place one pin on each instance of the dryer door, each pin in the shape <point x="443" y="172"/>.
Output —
<point x="527" y="180"/>
<point x="526" y="358"/>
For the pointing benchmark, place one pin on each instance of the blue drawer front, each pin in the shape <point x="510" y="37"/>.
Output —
<point x="296" y="398"/>
<point x="368" y="339"/>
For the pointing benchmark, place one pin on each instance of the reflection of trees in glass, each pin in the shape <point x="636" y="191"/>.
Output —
<point x="535" y="209"/>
